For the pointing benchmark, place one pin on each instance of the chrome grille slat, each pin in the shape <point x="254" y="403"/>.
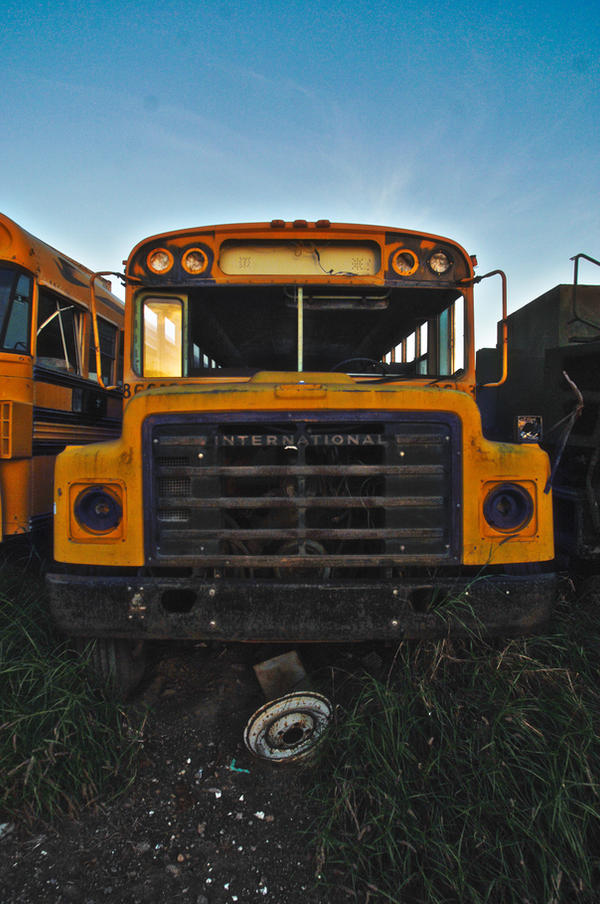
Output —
<point x="291" y="502"/>
<point x="314" y="534"/>
<point x="304" y="471"/>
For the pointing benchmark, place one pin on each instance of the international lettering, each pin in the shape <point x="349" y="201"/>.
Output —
<point x="300" y="440"/>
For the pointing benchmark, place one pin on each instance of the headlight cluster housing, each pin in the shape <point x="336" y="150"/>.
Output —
<point x="193" y="260"/>
<point x="405" y="262"/>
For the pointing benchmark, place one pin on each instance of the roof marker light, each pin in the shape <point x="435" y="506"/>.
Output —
<point x="194" y="261"/>
<point x="160" y="260"/>
<point x="439" y="262"/>
<point x="405" y="262"/>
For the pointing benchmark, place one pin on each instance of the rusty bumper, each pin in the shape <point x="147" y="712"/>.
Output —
<point x="181" y="608"/>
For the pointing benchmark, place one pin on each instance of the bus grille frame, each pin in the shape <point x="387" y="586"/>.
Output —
<point x="410" y="461"/>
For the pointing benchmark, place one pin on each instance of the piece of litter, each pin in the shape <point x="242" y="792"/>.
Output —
<point x="6" y="828"/>
<point x="216" y="791"/>
<point x="260" y="814"/>
<point x="233" y="768"/>
<point x="241" y="797"/>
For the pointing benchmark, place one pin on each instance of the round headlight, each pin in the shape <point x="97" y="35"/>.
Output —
<point x="508" y="507"/>
<point x="160" y="260"/>
<point x="439" y="262"/>
<point x="194" y="260"/>
<point x="405" y="262"/>
<point x="98" y="510"/>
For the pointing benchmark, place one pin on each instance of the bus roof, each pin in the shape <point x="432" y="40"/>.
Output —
<point x="51" y="267"/>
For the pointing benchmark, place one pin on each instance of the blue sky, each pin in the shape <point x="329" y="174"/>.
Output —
<point x="477" y="122"/>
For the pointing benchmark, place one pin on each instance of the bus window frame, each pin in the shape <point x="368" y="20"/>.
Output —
<point x="427" y="363"/>
<point x="139" y="330"/>
<point x="18" y="272"/>
<point x="80" y="332"/>
<point x="114" y="359"/>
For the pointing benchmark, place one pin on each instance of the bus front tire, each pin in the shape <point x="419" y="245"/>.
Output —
<point x="113" y="663"/>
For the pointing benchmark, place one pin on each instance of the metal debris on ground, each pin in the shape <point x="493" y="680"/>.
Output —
<point x="289" y="726"/>
<point x="288" y="729"/>
<point x="281" y="674"/>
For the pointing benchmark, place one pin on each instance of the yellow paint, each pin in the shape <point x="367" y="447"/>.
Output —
<point x="26" y="480"/>
<point x="15" y="429"/>
<point x="15" y="487"/>
<point x="482" y="460"/>
<point x="42" y="471"/>
<point x="291" y="260"/>
<point x="46" y="395"/>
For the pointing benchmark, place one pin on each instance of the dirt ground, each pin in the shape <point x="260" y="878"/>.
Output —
<point x="204" y="822"/>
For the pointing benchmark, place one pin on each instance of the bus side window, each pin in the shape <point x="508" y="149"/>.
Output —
<point x="59" y="333"/>
<point x="16" y="331"/>
<point x="120" y="358"/>
<point x="421" y="348"/>
<point x="107" y="335"/>
<point x="163" y="337"/>
<point x="447" y="341"/>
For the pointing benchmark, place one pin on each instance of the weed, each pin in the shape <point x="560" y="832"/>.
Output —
<point x="471" y="774"/>
<point x="61" y="743"/>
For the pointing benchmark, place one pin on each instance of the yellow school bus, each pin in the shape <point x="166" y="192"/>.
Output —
<point x="302" y="457"/>
<point x="50" y="396"/>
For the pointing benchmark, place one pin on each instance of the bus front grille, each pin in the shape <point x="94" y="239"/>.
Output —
<point x="303" y="499"/>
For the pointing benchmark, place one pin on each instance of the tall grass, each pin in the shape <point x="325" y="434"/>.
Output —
<point x="61" y="743"/>
<point x="470" y="773"/>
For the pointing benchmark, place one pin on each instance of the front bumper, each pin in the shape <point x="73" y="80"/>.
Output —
<point x="184" y="608"/>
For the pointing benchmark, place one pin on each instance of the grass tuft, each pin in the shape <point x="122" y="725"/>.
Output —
<point x="470" y="773"/>
<point x="62" y="744"/>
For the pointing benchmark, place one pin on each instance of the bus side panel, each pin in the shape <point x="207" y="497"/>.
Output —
<point x="15" y="486"/>
<point x="42" y="486"/>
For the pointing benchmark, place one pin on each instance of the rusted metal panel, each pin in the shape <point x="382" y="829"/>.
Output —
<point x="184" y="607"/>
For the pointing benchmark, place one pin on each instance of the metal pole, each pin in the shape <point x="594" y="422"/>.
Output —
<point x="300" y="304"/>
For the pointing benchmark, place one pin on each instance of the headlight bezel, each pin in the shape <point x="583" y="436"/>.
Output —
<point x="434" y="259"/>
<point x="151" y="261"/>
<point x="401" y="266"/>
<point x="187" y="255"/>
<point x="86" y="524"/>
<point x="508" y="508"/>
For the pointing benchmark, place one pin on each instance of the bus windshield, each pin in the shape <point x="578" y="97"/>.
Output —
<point x="15" y="300"/>
<point x="352" y="329"/>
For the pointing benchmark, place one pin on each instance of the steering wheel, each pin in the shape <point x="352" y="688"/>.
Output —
<point x="371" y="361"/>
